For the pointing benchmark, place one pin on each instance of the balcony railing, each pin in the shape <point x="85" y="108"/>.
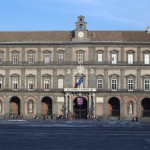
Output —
<point x="57" y="63"/>
<point x="52" y="90"/>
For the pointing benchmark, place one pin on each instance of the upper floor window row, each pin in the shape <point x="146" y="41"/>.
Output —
<point x="113" y="57"/>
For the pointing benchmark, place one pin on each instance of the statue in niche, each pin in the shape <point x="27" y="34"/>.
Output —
<point x="30" y="106"/>
<point x="130" y="107"/>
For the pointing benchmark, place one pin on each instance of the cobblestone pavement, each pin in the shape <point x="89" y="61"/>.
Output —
<point x="74" y="135"/>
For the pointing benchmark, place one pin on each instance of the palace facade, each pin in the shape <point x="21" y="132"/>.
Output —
<point x="40" y="73"/>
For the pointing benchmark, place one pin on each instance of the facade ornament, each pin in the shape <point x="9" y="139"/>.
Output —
<point x="80" y="70"/>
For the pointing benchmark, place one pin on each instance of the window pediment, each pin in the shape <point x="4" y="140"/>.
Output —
<point x="14" y="75"/>
<point x="30" y="75"/>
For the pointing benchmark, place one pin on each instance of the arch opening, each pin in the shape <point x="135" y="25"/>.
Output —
<point x="146" y="107"/>
<point x="80" y="108"/>
<point x="46" y="106"/>
<point x="114" y="107"/>
<point x="14" y="106"/>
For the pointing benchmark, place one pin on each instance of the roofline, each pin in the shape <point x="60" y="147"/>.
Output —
<point x="76" y="43"/>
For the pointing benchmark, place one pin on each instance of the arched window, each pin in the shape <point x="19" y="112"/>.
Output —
<point x="80" y="26"/>
<point x="30" y="106"/>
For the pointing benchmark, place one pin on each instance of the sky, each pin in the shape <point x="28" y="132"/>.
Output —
<point x="58" y="15"/>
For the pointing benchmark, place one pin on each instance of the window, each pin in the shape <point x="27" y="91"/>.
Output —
<point x="30" y="84"/>
<point x="100" y="57"/>
<point x="61" y="57"/>
<point x="99" y="83"/>
<point x="31" y="58"/>
<point x="1" y="83"/>
<point x="60" y="83"/>
<point x="80" y="26"/>
<point x="147" y="85"/>
<point x="30" y="106"/>
<point x="15" y="58"/>
<point x="46" y="84"/>
<point x="114" y="58"/>
<point x="1" y="58"/>
<point x="130" y="84"/>
<point x="130" y="58"/>
<point x="114" y="84"/>
<point x="47" y="58"/>
<point x="146" y="59"/>
<point x="80" y="57"/>
<point x="15" y="83"/>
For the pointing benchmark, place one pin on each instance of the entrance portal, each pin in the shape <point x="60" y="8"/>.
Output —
<point x="146" y="107"/>
<point x="80" y="108"/>
<point x="114" y="107"/>
<point x="46" y="106"/>
<point x="15" y="106"/>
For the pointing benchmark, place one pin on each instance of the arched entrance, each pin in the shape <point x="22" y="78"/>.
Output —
<point x="146" y="107"/>
<point x="80" y="108"/>
<point x="15" y="106"/>
<point x="46" y="106"/>
<point x="114" y="107"/>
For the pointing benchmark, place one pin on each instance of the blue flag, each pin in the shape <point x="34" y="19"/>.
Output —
<point x="80" y="81"/>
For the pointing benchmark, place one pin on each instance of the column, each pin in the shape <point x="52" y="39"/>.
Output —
<point x="106" y="54"/>
<point x="7" y="79"/>
<point x="122" y="54"/>
<point x="38" y="78"/>
<point x="7" y="101"/>
<point x="122" y="108"/>
<point x="71" y="103"/>
<point x="106" y="78"/>
<point x="105" y="107"/>
<point x="138" y="79"/>
<point x="122" y="79"/>
<point x="94" y="106"/>
<point x="138" y="107"/>
<point x="66" y="104"/>
<point x="55" y="84"/>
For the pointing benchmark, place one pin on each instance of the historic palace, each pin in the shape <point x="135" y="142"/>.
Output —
<point x="76" y="74"/>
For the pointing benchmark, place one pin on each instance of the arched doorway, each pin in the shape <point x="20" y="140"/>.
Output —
<point x="146" y="107"/>
<point x="15" y="106"/>
<point x="80" y="108"/>
<point x="114" y="107"/>
<point x="46" y="106"/>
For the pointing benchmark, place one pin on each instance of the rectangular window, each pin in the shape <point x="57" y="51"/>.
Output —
<point x="100" y="57"/>
<point x="114" y="58"/>
<point x="47" y="58"/>
<point x="114" y="84"/>
<point x="15" y="58"/>
<point x="61" y="57"/>
<point x="1" y="83"/>
<point x="60" y="83"/>
<point x="15" y="83"/>
<point x="146" y="59"/>
<point x="31" y="58"/>
<point x="30" y="84"/>
<point x="80" y="57"/>
<point x="130" y="58"/>
<point x="1" y="58"/>
<point x="46" y="84"/>
<point x="130" y="84"/>
<point x="146" y="85"/>
<point x="99" y="83"/>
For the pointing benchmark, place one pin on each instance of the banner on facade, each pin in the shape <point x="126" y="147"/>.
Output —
<point x="80" y="101"/>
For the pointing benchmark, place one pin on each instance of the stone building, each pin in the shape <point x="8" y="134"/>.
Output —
<point x="41" y="72"/>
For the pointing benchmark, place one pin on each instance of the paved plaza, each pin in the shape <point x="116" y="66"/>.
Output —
<point x="74" y="135"/>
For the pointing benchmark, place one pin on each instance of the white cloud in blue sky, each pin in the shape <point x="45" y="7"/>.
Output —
<point x="62" y="14"/>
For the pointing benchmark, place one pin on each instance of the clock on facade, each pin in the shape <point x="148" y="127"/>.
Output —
<point x="80" y="34"/>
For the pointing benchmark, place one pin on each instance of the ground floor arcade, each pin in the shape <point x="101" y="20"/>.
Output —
<point x="75" y="105"/>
